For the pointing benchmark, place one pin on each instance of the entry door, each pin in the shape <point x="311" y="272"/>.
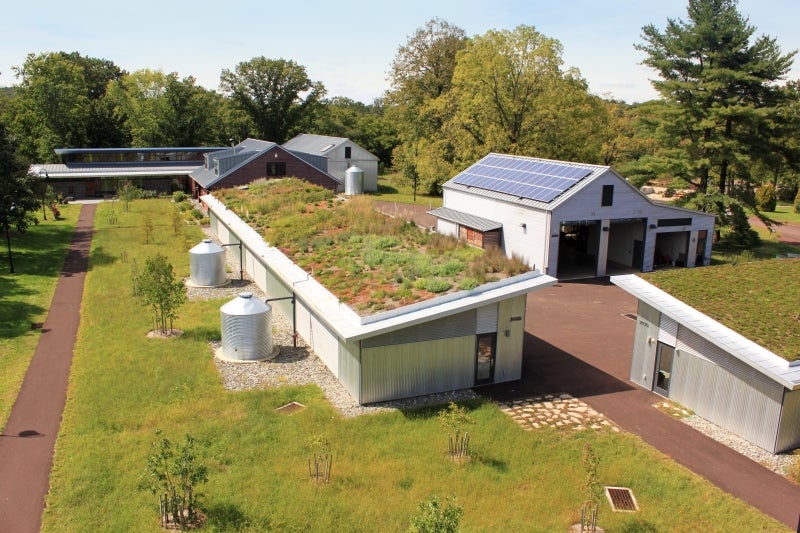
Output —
<point x="663" y="373"/>
<point x="485" y="345"/>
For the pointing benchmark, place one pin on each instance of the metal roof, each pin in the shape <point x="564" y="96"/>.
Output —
<point x="148" y="149"/>
<point x="749" y="352"/>
<point x="465" y="219"/>
<point x="313" y="144"/>
<point x="242" y="153"/>
<point x="115" y="170"/>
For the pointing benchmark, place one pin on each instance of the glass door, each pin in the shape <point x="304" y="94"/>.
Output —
<point x="664" y="357"/>
<point x="484" y="358"/>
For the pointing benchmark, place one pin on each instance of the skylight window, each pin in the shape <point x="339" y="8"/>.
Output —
<point x="327" y="147"/>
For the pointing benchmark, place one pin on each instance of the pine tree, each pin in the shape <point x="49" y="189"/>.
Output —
<point x="720" y="93"/>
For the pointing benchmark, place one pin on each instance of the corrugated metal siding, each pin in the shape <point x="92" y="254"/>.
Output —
<point x="789" y="432"/>
<point x="452" y="326"/>
<point x="415" y="369"/>
<point x="643" y="361"/>
<point x="668" y="331"/>
<point x="487" y="319"/>
<point x="721" y="389"/>
<point x="213" y="222"/>
<point x="324" y="343"/>
<point x="508" y="360"/>
<point x="350" y="368"/>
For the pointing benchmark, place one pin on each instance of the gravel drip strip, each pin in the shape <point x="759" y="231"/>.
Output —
<point x="778" y="463"/>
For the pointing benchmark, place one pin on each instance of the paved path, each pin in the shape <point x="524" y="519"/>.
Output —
<point x="578" y="342"/>
<point x="788" y="233"/>
<point x="28" y="440"/>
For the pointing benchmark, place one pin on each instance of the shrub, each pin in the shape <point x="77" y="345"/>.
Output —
<point x="437" y="285"/>
<point x="179" y="196"/>
<point x="435" y="518"/>
<point x="766" y="198"/>
<point x="467" y="284"/>
<point x="797" y="203"/>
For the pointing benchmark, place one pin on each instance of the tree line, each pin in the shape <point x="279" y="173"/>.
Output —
<point x="726" y="122"/>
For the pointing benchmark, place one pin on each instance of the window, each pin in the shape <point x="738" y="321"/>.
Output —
<point x="662" y="222"/>
<point x="608" y="196"/>
<point x="277" y="168"/>
<point x="348" y="152"/>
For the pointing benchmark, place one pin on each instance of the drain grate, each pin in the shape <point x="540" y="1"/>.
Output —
<point x="629" y="315"/>
<point x="621" y="499"/>
<point x="290" y="408"/>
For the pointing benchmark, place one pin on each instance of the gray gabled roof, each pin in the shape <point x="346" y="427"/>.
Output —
<point x="230" y="160"/>
<point x="747" y="351"/>
<point x="310" y="143"/>
<point x="465" y="219"/>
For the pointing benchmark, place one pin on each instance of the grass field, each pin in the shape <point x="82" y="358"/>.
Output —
<point x="25" y="296"/>
<point x="393" y="188"/>
<point x="124" y="386"/>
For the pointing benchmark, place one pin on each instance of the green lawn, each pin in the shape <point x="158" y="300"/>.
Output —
<point x="25" y="296"/>
<point x="393" y="188"/>
<point x="124" y="386"/>
<point x="783" y="213"/>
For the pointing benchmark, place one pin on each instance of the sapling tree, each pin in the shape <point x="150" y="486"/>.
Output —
<point x="173" y="473"/>
<point x="434" y="517"/>
<point x="156" y="287"/>
<point x="453" y="418"/>
<point x="128" y="192"/>
<point x="592" y="489"/>
<point x="321" y="460"/>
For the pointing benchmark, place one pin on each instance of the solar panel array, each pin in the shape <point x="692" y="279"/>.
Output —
<point x="526" y="178"/>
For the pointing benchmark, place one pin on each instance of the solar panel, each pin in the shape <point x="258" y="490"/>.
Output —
<point x="523" y="177"/>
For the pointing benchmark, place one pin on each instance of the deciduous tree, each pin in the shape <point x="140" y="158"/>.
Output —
<point x="277" y="94"/>
<point x="18" y="198"/>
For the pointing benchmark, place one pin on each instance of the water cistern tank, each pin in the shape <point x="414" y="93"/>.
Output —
<point x="353" y="181"/>
<point x="246" y="330"/>
<point x="207" y="265"/>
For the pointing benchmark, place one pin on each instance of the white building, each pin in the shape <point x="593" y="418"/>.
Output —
<point x="335" y="155"/>
<point x="570" y="219"/>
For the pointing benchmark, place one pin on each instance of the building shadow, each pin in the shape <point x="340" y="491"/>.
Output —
<point x="547" y="369"/>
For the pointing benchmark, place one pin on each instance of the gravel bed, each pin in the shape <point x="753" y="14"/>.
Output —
<point x="778" y="463"/>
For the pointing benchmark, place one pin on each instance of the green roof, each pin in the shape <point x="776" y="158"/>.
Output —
<point x="760" y="300"/>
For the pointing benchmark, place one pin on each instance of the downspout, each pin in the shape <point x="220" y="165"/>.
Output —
<point x="294" y="315"/>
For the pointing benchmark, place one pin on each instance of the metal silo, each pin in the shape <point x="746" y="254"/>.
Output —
<point x="246" y="329"/>
<point x="207" y="265"/>
<point x="353" y="181"/>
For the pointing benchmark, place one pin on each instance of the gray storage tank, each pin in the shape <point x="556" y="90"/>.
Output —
<point x="246" y="330"/>
<point x="207" y="265"/>
<point x="353" y="181"/>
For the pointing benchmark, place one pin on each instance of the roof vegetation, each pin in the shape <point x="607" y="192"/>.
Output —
<point x="368" y="260"/>
<point x="759" y="299"/>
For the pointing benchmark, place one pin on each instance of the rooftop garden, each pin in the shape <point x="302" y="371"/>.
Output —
<point x="758" y="299"/>
<point x="369" y="261"/>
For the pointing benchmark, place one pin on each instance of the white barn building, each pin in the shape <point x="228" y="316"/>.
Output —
<point x="570" y="219"/>
<point x="335" y="155"/>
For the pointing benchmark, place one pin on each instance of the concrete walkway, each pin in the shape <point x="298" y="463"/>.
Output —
<point x="579" y="342"/>
<point x="28" y="440"/>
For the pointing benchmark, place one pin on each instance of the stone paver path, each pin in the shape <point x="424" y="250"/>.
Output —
<point x="555" y="410"/>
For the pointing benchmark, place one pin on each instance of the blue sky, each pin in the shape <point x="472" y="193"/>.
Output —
<point x="349" y="45"/>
